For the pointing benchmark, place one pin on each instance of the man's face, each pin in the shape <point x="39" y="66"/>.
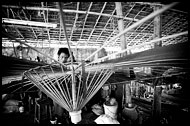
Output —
<point x="63" y="57"/>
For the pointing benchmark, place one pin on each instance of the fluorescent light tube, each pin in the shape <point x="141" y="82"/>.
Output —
<point x="32" y="23"/>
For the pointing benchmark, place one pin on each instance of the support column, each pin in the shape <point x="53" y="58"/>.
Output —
<point x="156" y="106"/>
<point x="157" y="28"/>
<point x="123" y="44"/>
<point x="120" y="24"/>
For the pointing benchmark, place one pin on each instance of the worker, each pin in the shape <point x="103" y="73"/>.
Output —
<point x="59" y="112"/>
<point x="64" y="56"/>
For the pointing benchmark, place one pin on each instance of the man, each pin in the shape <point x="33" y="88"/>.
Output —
<point x="60" y="113"/>
<point x="64" y="56"/>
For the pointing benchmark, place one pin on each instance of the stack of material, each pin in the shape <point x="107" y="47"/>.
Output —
<point x="12" y="68"/>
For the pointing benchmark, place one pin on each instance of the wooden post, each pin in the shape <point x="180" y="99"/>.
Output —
<point x="127" y="94"/>
<point x="83" y="78"/>
<point x="123" y="46"/>
<point x="120" y="24"/>
<point x="157" y="28"/>
<point x="156" y="106"/>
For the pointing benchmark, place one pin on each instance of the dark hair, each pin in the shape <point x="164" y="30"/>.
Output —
<point x="63" y="50"/>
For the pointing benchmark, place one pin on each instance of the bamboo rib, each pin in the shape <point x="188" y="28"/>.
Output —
<point x="87" y="99"/>
<point x="59" y="99"/>
<point x="90" y="89"/>
<point x="58" y="84"/>
<point x="68" y="93"/>
<point x="78" y="91"/>
<point x="93" y="79"/>
<point x="84" y="94"/>
<point x="81" y="88"/>
<point x="18" y="84"/>
<point x="98" y="84"/>
<point x="30" y="88"/>
<point x="60" y="88"/>
<point x="49" y="89"/>
<point x="94" y="86"/>
<point x="38" y="85"/>
<point x="21" y="87"/>
<point x="63" y="88"/>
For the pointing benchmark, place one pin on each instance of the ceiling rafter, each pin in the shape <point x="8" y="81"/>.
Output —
<point x="115" y="30"/>
<point x="139" y="25"/>
<point x="144" y="34"/>
<point x="85" y="21"/>
<point x="96" y="22"/>
<point x="72" y="11"/>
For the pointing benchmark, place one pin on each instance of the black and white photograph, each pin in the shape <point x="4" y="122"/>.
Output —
<point x="71" y="63"/>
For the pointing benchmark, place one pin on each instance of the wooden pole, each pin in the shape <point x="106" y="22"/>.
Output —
<point x="127" y="93"/>
<point x="120" y="24"/>
<point x="157" y="28"/>
<point x="71" y="55"/>
<point x="123" y="44"/>
<point x="156" y="106"/>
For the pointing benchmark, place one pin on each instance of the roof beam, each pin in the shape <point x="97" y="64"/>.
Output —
<point x="72" y="11"/>
<point x="139" y="25"/>
<point x="105" y="25"/>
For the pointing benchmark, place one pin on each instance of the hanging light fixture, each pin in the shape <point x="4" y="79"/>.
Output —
<point x="31" y="23"/>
